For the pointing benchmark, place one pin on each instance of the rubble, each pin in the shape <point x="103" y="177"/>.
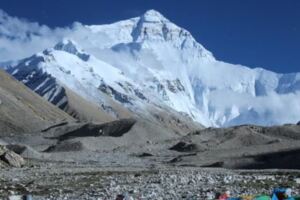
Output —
<point x="88" y="182"/>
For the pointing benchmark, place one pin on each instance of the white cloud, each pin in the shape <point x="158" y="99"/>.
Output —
<point x="269" y="110"/>
<point x="20" y="38"/>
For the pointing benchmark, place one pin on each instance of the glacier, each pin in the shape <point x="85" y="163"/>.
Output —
<point x="148" y="61"/>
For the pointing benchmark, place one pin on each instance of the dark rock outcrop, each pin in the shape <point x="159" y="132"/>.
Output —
<point x="65" y="147"/>
<point x="184" y="147"/>
<point x="112" y="129"/>
<point x="144" y="154"/>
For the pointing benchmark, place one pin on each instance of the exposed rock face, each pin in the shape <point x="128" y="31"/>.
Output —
<point x="70" y="47"/>
<point x="175" y="86"/>
<point x="113" y="129"/>
<point x="10" y="158"/>
<point x="184" y="147"/>
<point x="298" y="123"/>
<point x="120" y="97"/>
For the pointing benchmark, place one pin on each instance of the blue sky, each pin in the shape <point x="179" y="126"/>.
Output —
<point x="255" y="33"/>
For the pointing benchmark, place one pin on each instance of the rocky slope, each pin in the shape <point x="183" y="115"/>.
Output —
<point x="21" y="110"/>
<point x="140" y="143"/>
<point x="241" y="147"/>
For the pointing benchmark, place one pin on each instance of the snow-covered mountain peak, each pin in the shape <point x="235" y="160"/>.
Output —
<point x="153" y="16"/>
<point x="150" y="61"/>
<point x="150" y="31"/>
<point x="154" y="26"/>
<point x="71" y="47"/>
<point x="67" y="45"/>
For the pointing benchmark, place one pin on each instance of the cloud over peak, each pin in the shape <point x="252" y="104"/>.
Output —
<point x="20" y="38"/>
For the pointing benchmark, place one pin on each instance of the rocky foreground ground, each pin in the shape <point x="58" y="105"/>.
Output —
<point x="89" y="181"/>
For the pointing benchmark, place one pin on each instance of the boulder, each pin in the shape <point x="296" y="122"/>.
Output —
<point x="13" y="159"/>
<point x="10" y="158"/>
<point x="298" y="123"/>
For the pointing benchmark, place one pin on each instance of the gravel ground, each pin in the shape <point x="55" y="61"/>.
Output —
<point x="90" y="181"/>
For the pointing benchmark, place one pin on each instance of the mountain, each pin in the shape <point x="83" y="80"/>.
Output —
<point x="21" y="110"/>
<point x="85" y="86"/>
<point x="149" y="67"/>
